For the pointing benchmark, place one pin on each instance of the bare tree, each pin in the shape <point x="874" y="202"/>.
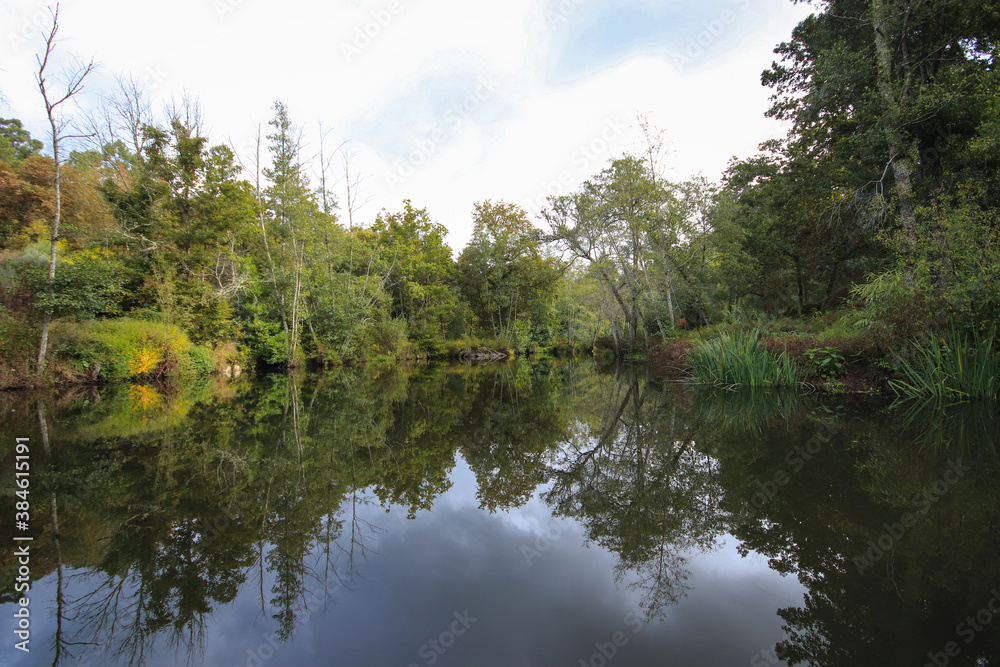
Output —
<point x="74" y="84"/>
<point x="122" y="116"/>
<point x="352" y="183"/>
<point x="329" y="204"/>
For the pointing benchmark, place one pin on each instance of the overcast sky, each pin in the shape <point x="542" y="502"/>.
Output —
<point x="444" y="102"/>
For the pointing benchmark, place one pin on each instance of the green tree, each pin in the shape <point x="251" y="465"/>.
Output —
<point x="418" y="272"/>
<point x="292" y="217"/>
<point x="182" y="216"/>
<point x="896" y="97"/>
<point x="610" y="225"/>
<point x="799" y="238"/>
<point x="16" y="143"/>
<point x="507" y="277"/>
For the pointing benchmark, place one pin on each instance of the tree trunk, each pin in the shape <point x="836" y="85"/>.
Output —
<point x="800" y="285"/>
<point x="893" y="84"/>
<point x="73" y="86"/>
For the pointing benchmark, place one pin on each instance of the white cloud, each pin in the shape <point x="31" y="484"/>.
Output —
<point x="415" y="71"/>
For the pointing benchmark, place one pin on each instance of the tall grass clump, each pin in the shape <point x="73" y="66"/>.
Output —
<point x="954" y="367"/>
<point x="739" y="359"/>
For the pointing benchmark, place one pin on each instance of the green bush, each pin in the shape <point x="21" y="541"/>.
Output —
<point x="198" y="361"/>
<point x="18" y="339"/>
<point x="827" y="361"/>
<point x="389" y="336"/>
<point x="127" y="349"/>
<point x="266" y="340"/>
<point x="88" y="283"/>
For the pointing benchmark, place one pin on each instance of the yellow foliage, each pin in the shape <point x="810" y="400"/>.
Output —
<point x="144" y="399"/>
<point x="144" y="359"/>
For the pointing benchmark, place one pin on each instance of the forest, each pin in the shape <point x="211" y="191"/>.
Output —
<point x="861" y="251"/>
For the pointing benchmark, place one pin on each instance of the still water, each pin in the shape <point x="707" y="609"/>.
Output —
<point x="510" y="515"/>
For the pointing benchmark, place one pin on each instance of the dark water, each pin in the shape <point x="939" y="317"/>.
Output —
<point x="516" y="515"/>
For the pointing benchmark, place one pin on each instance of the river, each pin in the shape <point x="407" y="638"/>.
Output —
<point x="520" y="514"/>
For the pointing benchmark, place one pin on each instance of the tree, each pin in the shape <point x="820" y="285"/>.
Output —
<point x="74" y="85"/>
<point x="506" y="276"/>
<point x="795" y="236"/>
<point x="891" y="93"/>
<point x="418" y="272"/>
<point x="608" y="224"/>
<point x="16" y="143"/>
<point x="294" y="215"/>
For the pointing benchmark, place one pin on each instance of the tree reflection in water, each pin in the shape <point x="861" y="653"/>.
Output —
<point x="636" y="480"/>
<point x="165" y="506"/>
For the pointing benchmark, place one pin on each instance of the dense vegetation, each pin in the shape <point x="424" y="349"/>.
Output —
<point x="154" y="251"/>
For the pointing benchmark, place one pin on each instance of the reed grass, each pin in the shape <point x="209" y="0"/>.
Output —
<point x="738" y="359"/>
<point x="970" y="427"/>
<point x="952" y="368"/>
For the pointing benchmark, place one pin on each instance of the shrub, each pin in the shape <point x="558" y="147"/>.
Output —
<point x="389" y="336"/>
<point x="128" y="348"/>
<point x="827" y="361"/>
<point x="267" y="341"/>
<point x="199" y="361"/>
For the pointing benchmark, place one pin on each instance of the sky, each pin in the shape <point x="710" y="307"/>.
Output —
<point x="443" y="102"/>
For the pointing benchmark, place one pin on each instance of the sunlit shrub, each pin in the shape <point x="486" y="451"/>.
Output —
<point x="127" y="348"/>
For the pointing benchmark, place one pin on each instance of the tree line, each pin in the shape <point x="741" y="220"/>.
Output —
<point x="883" y="195"/>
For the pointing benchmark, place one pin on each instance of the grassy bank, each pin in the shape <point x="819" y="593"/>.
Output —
<point x="83" y="352"/>
<point x="739" y="359"/>
<point x="837" y="352"/>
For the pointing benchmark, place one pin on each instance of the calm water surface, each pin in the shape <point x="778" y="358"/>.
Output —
<point x="511" y="515"/>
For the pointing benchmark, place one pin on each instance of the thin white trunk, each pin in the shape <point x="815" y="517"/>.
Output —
<point x="73" y="86"/>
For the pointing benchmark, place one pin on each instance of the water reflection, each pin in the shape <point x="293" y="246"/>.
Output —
<point x="154" y="510"/>
<point x="632" y="473"/>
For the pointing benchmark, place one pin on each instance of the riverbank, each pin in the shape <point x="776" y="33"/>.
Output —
<point x="95" y="352"/>
<point x="108" y="351"/>
<point x="837" y="352"/>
